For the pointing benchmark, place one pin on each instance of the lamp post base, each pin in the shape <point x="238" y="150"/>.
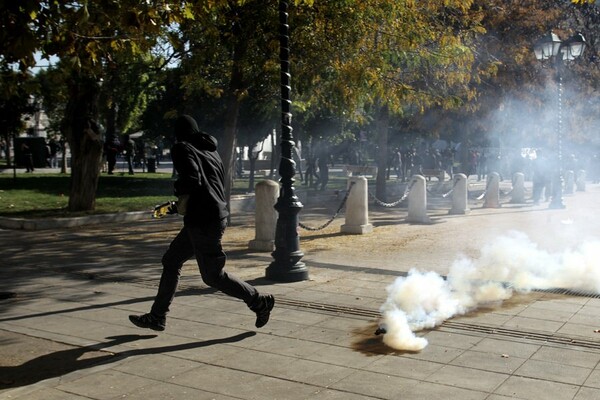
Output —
<point x="286" y="265"/>
<point x="287" y="272"/>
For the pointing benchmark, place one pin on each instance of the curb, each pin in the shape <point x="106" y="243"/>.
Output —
<point x="238" y="204"/>
<point x="51" y="223"/>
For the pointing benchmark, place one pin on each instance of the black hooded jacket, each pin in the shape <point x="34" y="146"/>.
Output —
<point x="200" y="173"/>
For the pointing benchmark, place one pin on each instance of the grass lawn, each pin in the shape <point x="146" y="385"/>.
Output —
<point x="44" y="195"/>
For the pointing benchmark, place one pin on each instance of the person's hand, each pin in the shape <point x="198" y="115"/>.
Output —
<point x="168" y="208"/>
<point x="172" y="209"/>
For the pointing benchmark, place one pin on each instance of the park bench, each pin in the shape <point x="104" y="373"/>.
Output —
<point x="440" y="174"/>
<point x="356" y="170"/>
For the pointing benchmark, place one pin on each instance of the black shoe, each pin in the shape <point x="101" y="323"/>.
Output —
<point x="262" y="306"/>
<point x="148" y="321"/>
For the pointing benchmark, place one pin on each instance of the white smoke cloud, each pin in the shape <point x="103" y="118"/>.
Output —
<point x="424" y="300"/>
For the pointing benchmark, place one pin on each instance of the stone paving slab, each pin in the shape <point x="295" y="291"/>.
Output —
<point x="74" y="288"/>
<point x="319" y="356"/>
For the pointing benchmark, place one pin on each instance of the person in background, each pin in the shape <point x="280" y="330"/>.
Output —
<point x="111" y="149"/>
<point x="323" y="159"/>
<point x="54" y="149"/>
<point x="129" y="148"/>
<point x="541" y="177"/>
<point x="3" y="148"/>
<point x="28" y="157"/>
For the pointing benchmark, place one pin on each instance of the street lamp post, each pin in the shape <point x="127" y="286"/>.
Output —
<point x="286" y="266"/>
<point x="551" y="48"/>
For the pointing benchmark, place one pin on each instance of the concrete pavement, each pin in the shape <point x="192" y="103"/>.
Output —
<point x="65" y="295"/>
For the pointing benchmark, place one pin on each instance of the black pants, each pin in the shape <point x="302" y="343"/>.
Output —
<point x="28" y="162"/>
<point x="129" y="158"/>
<point x="205" y="244"/>
<point x="111" y="159"/>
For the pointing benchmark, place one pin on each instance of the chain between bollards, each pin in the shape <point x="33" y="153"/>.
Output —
<point x="326" y="224"/>
<point x="487" y="185"/>
<point x="443" y="195"/>
<point x="389" y="205"/>
<point x="451" y="190"/>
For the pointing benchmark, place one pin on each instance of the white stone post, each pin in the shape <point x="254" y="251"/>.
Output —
<point x="569" y="182"/>
<point x="460" y="201"/>
<point x="580" y="180"/>
<point x="417" y="200"/>
<point x="265" y="216"/>
<point x="357" y="207"/>
<point x="518" y="189"/>
<point x="492" y="192"/>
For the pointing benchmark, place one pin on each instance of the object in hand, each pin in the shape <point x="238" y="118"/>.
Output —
<point x="168" y="208"/>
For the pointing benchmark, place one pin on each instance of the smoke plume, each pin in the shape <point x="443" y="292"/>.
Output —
<point x="512" y="262"/>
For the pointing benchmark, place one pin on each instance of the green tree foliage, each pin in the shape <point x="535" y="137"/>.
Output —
<point x="88" y="37"/>
<point x="381" y="59"/>
<point x="52" y="84"/>
<point x="521" y="81"/>
<point x="230" y="53"/>
<point x="166" y="101"/>
<point x="15" y="92"/>
<point x="374" y="63"/>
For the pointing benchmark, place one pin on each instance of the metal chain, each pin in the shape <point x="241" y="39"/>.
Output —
<point x="326" y="224"/>
<point x="404" y="196"/>
<point x="443" y="195"/>
<point x="451" y="190"/>
<point x="485" y="191"/>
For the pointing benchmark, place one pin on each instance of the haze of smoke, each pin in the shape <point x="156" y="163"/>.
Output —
<point x="423" y="300"/>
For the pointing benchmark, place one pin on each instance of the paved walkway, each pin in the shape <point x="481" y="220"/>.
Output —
<point x="65" y="295"/>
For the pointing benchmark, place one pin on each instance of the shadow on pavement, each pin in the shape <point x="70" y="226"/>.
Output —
<point x="66" y="361"/>
<point x="180" y="293"/>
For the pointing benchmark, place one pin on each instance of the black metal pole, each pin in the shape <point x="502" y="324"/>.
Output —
<point x="286" y="266"/>
<point x="557" y="183"/>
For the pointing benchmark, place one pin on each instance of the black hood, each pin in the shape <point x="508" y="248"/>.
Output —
<point x="203" y="141"/>
<point x="186" y="130"/>
<point x="185" y="127"/>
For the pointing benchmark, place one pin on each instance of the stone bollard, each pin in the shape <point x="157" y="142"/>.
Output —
<point x="569" y="182"/>
<point x="518" y="189"/>
<point x="265" y="215"/>
<point x="492" y="191"/>
<point x="580" y="180"/>
<point x="460" y="198"/>
<point x="417" y="200"/>
<point x="357" y="207"/>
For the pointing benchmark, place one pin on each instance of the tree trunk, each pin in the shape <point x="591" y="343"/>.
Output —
<point x="85" y="142"/>
<point x="227" y="147"/>
<point x="236" y="87"/>
<point x="382" y="124"/>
